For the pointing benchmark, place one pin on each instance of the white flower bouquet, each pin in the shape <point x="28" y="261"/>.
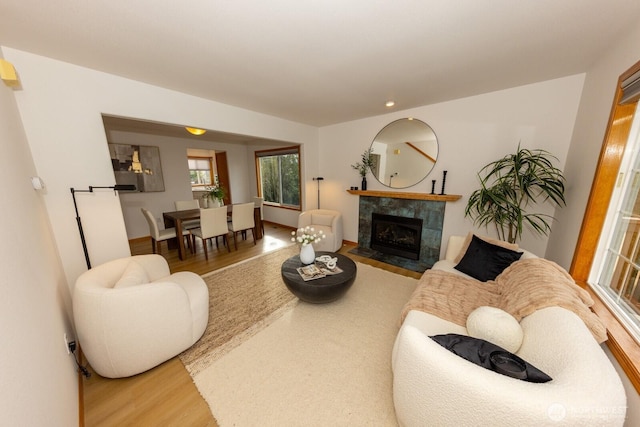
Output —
<point x="306" y="236"/>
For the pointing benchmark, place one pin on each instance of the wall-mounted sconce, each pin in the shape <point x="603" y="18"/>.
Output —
<point x="8" y="74"/>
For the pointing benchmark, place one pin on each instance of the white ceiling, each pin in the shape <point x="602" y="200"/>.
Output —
<point x="325" y="61"/>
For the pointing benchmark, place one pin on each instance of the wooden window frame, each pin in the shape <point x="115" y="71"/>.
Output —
<point x="211" y="171"/>
<point x="623" y="346"/>
<point x="275" y="151"/>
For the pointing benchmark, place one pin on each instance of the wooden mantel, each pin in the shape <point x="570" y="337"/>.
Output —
<point x="404" y="195"/>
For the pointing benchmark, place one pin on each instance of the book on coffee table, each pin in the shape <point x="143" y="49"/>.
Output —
<point x="310" y="272"/>
<point x="315" y="271"/>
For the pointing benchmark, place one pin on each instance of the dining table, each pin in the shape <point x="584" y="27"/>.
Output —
<point x="175" y="219"/>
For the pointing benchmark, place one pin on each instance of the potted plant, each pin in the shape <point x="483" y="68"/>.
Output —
<point x="363" y="166"/>
<point x="509" y="185"/>
<point x="216" y="193"/>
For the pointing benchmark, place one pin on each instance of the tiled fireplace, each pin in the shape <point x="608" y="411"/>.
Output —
<point x="407" y="230"/>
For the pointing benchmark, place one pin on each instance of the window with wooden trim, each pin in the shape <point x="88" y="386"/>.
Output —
<point x="616" y="271"/>
<point x="200" y="171"/>
<point x="606" y="258"/>
<point x="278" y="175"/>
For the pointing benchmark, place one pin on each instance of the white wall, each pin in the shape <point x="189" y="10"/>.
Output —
<point x="471" y="133"/>
<point x="590" y="126"/>
<point x="39" y="382"/>
<point x="61" y="107"/>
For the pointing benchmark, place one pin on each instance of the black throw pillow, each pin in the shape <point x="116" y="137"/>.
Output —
<point x="484" y="261"/>
<point x="492" y="357"/>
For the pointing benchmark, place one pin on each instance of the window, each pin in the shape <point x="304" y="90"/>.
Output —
<point x="278" y="174"/>
<point x="605" y="260"/>
<point x="200" y="171"/>
<point x="616" y="272"/>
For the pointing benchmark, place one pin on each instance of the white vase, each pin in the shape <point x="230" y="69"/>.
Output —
<point x="214" y="203"/>
<point x="307" y="254"/>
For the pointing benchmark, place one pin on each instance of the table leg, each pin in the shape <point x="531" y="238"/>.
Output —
<point x="257" y="220"/>
<point x="180" y="238"/>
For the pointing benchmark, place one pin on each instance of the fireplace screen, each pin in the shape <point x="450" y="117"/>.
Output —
<point x="396" y="235"/>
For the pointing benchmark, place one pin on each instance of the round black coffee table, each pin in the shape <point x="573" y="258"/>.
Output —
<point x="325" y="289"/>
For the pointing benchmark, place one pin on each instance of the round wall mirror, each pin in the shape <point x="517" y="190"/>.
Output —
<point x="403" y="153"/>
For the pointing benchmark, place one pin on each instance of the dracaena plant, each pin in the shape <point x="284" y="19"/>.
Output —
<point x="511" y="185"/>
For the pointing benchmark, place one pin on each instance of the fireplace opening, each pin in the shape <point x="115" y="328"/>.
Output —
<point x="396" y="235"/>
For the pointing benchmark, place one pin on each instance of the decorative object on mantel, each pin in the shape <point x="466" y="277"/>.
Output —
<point x="363" y="166"/>
<point x="433" y="186"/>
<point x="216" y="193"/>
<point x="444" y="180"/>
<point x="512" y="183"/>
<point x="306" y="237"/>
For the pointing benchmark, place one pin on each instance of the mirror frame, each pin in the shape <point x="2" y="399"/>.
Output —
<point x="416" y="146"/>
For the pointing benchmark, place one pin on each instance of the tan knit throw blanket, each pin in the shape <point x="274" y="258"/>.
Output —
<point x="524" y="287"/>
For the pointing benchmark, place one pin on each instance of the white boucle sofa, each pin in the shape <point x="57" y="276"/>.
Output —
<point x="131" y="314"/>
<point x="432" y="386"/>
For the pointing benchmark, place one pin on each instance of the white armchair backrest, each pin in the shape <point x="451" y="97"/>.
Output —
<point x="324" y="217"/>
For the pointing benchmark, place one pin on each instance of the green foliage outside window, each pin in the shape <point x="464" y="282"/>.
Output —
<point x="280" y="179"/>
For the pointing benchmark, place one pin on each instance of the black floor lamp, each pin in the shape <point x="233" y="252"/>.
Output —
<point x="318" y="178"/>
<point x="79" y="221"/>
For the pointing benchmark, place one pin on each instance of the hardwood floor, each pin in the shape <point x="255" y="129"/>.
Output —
<point x="165" y="395"/>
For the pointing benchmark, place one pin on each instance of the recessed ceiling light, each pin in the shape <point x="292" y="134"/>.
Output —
<point x="195" y="131"/>
<point x="390" y="104"/>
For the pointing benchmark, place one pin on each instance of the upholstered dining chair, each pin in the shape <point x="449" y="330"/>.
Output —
<point x="213" y="223"/>
<point x="184" y="205"/>
<point x="158" y="235"/>
<point x="241" y="220"/>
<point x="259" y="202"/>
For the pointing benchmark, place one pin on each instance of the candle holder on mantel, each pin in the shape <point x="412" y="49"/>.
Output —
<point x="433" y="186"/>
<point x="444" y="180"/>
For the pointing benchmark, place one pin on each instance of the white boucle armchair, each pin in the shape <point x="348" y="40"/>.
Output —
<point x="131" y="314"/>
<point x="330" y="222"/>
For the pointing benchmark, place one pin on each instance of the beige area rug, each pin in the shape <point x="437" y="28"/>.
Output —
<point x="243" y="299"/>
<point x="316" y="365"/>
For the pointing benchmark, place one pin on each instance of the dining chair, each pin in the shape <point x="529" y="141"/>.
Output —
<point x="158" y="235"/>
<point x="242" y="220"/>
<point x="184" y="205"/>
<point x="259" y="202"/>
<point x="213" y="223"/>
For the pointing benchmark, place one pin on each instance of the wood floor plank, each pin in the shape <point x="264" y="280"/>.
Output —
<point x="166" y="395"/>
